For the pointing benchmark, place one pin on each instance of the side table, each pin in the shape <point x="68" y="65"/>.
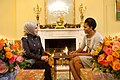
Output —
<point x="58" y="56"/>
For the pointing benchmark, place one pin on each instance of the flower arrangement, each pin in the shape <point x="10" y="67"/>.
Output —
<point x="107" y="56"/>
<point x="10" y="57"/>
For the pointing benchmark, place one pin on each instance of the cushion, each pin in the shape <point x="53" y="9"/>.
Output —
<point x="88" y="74"/>
<point x="30" y="74"/>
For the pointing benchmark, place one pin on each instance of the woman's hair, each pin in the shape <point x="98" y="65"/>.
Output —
<point x="91" y="22"/>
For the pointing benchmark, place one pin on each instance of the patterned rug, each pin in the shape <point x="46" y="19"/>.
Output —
<point x="62" y="75"/>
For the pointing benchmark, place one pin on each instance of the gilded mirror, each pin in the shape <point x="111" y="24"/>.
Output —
<point x="69" y="17"/>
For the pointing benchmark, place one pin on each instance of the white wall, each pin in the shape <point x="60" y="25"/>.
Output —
<point x="7" y="19"/>
<point x="112" y="27"/>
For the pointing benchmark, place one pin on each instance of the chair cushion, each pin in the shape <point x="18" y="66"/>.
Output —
<point x="88" y="74"/>
<point x="30" y="74"/>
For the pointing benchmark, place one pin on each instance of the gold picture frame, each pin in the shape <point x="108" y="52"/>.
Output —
<point x="71" y="14"/>
<point x="117" y="8"/>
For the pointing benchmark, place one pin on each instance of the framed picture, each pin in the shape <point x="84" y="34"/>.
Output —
<point x="51" y="18"/>
<point x="118" y="10"/>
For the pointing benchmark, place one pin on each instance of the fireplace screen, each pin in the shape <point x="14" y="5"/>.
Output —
<point x="57" y="45"/>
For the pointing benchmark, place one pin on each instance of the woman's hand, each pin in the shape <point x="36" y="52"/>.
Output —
<point x="73" y="54"/>
<point x="45" y="58"/>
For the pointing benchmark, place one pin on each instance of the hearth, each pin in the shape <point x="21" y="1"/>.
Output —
<point x="58" y="45"/>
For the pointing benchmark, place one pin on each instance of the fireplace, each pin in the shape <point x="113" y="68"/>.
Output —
<point x="58" y="45"/>
<point x="57" y="39"/>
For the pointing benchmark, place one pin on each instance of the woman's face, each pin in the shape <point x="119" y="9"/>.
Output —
<point x="87" y="28"/>
<point x="36" y="31"/>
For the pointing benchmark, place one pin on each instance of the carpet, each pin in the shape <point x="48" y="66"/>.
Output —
<point x="62" y="73"/>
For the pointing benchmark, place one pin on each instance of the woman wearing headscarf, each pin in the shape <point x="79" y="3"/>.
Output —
<point x="34" y="51"/>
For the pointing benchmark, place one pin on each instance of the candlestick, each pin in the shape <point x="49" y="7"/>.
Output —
<point x="37" y="11"/>
<point x="82" y="10"/>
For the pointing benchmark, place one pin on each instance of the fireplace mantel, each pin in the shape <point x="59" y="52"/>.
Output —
<point x="61" y="34"/>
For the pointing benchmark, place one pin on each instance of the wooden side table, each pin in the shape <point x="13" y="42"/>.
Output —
<point x="57" y="56"/>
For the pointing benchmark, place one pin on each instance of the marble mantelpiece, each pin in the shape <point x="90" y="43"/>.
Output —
<point x="69" y="33"/>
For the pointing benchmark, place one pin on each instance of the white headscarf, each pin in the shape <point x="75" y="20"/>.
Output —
<point x="29" y="27"/>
